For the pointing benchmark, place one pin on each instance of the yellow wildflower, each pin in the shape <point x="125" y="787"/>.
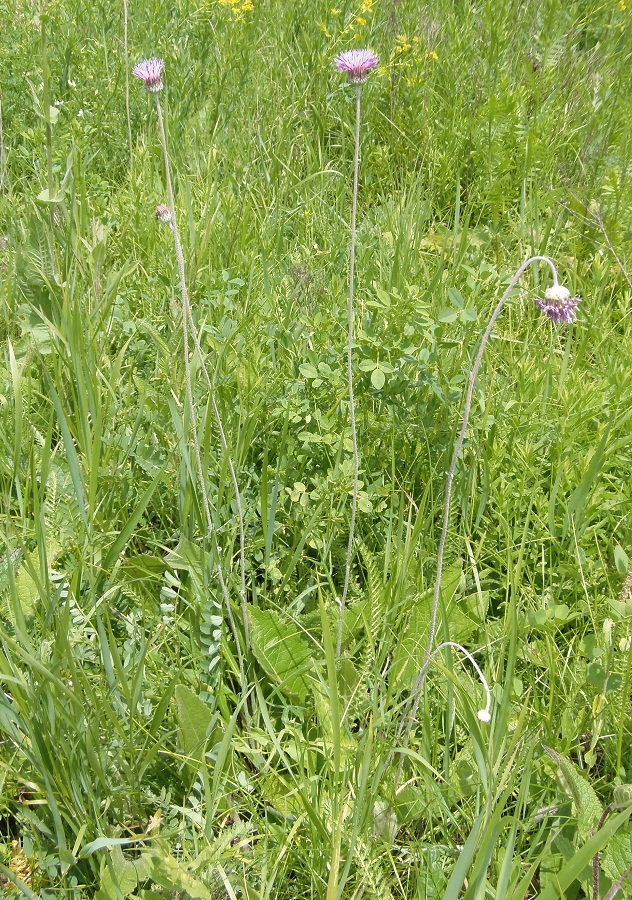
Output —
<point x="360" y="20"/>
<point x="432" y="55"/>
<point x="334" y="11"/>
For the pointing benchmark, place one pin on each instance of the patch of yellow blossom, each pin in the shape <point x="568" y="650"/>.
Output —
<point x="402" y="45"/>
<point x="351" y="29"/>
<point x="623" y="5"/>
<point x="408" y="56"/>
<point x="237" y="7"/>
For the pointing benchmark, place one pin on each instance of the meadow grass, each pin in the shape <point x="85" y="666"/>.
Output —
<point x="139" y="756"/>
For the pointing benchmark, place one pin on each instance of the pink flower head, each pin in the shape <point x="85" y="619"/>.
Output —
<point x="149" y="72"/>
<point x="356" y="64"/>
<point x="163" y="214"/>
<point x="558" y="304"/>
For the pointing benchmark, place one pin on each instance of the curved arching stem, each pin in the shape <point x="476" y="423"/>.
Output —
<point x="410" y="712"/>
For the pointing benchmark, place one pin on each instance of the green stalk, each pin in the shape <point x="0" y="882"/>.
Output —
<point x="46" y="103"/>
<point x="354" y="435"/>
<point x="125" y="50"/>
<point x="187" y="317"/>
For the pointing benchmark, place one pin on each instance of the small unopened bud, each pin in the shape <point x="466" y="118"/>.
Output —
<point x="163" y="214"/>
<point x="483" y="715"/>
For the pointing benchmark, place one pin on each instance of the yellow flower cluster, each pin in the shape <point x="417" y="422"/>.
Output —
<point x="353" y="25"/>
<point x="237" y="7"/>
<point x="409" y="57"/>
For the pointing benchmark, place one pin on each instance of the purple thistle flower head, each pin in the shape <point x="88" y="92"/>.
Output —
<point x="149" y="72"/>
<point x="356" y="64"/>
<point x="558" y="304"/>
<point x="163" y="214"/>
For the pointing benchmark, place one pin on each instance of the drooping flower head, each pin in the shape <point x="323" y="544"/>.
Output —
<point x="149" y="72"/>
<point x="163" y="214"/>
<point x="558" y="304"/>
<point x="356" y="64"/>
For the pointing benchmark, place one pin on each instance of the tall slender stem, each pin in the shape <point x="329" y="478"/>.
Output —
<point x="186" y="317"/>
<point x="125" y="50"/>
<point x="4" y="175"/>
<point x="354" y="435"/>
<point x="46" y="106"/>
<point x="409" y="715"/>
<point x="233" y="477"/>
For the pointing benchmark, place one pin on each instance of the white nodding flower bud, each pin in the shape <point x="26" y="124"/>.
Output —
<point x="483" y="715"/>
<point x="558" y="305"/>
<point x="557" y="294"/>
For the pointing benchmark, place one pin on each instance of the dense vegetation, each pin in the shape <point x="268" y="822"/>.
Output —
<point x="135" y="760"/>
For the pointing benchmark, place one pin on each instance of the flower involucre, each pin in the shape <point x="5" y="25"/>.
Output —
<point x="356" y="64"/>
<point x="163" y="214"/>
<point x="149" y="72"/>
<point x="558" y="304"/>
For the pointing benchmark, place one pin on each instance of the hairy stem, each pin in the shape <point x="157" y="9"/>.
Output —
<point x="186" y="317"/>
<point x="354" y="435"/>
<point x="233" y="478"/>
<point x="4" y="175"/>
<point x="125" y="51"/>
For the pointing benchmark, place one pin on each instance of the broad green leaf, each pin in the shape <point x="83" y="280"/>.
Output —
<point x="123" y="875"/>
<point x="617" y="859"/>
<point x="621" y="559"/>
<point x="281" y="650"/>
<point x="573" y="869"/>
<point x="26" y="588"/>
<point x="195" y="720"/>
<point x="409" y="652"/>
<point x="167" y="872"/>
<point x="595" y="675"/>
<point x="308" y="370"/>
<point x="587" y="806"/>
<point x="456" y="297"/>
<point x="378" y="379"/>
